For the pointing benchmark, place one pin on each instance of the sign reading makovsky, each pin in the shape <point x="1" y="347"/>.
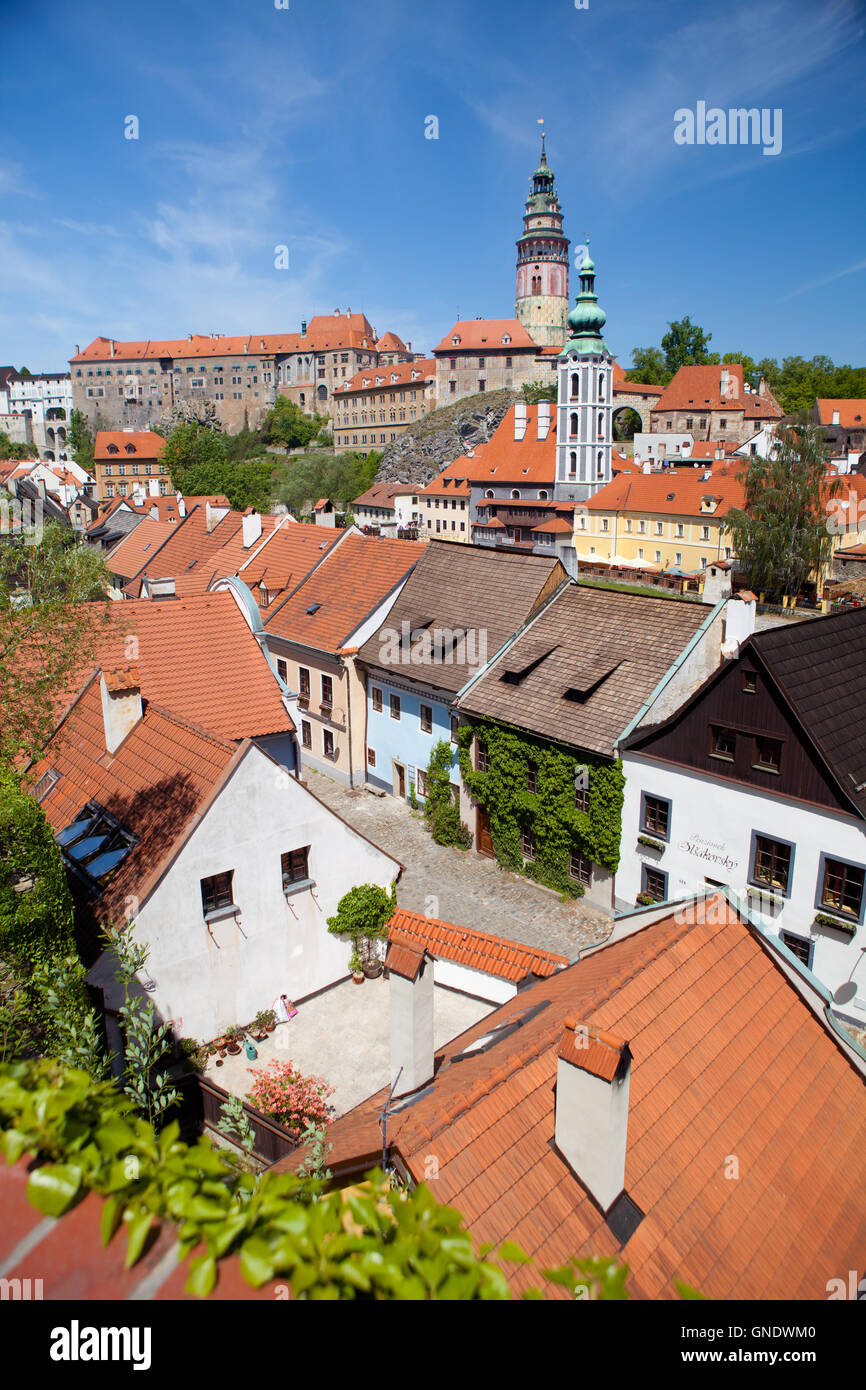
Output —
<point x="710" y="851"/>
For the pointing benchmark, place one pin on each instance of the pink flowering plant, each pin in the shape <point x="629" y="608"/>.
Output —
<point x="296" y="1101"/>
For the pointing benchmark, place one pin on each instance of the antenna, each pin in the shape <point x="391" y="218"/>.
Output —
<point x="383" y="1121"/>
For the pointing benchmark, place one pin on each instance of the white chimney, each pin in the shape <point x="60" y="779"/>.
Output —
<point x="592" y="1094"/>
<point x="520" y="420"/>
<point x="543" y="419"/>
<point x="181" y="505"/>
<point x="740" y="614"/>
<point x="410" y="990"/>
<point x="214" y="514"/>
<point x="121" y="703"/>
<point x="835" y="417"/>
<point x="252" y="526"/>
<point x="153" y="487"/>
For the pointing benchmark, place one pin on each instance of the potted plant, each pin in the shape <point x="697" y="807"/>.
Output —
<point x="356" y="965"/>
<point x="644" y="900"/>
<point x="362" y="915"/>
<point x="193" y="1053"/>
<point x="264" y="1022"/>
<point x="233" y="1046"/>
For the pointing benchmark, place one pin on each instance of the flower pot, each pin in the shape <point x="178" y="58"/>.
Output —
<point x="358" y="979"/>
<point x="220" y="1042"/>
<point x="233" y="1049"/>
<point x="220" y="1060"/>
<point x="269" y="1027"/>
<point x="373" y="969"/>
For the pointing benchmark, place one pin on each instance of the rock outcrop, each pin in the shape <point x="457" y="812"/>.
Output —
<point x="431" y="443"/>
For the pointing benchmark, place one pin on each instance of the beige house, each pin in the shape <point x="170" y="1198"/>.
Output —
<point x="380" y="403"/>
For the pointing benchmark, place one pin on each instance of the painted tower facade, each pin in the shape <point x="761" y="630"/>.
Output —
<point x="542" y="262"/>
<point x="584" y="403"/>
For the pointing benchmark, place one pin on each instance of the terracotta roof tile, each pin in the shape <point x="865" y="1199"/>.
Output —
<point x="852" y="413"/>
<point x="124" y="444"/>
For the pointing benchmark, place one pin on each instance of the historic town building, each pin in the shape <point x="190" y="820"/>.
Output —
<point x="379" y="403"/>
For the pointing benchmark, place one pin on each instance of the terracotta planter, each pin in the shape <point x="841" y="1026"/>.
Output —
<point x="219" y="1061"/>
<point x="233" y="1049"/>
<point x="220" y="1042"/>
<point x="269" y="1027"/>
<point x="358" y="979"/>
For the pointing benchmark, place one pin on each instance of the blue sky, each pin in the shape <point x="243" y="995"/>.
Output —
<point x="304" y="127"/>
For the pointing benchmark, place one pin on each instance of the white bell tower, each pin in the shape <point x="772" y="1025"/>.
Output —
<point x="584" y="411"/>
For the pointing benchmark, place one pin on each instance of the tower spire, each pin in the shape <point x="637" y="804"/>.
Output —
<point x="541" y="299"/>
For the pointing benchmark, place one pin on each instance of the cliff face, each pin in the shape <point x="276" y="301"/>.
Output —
<point x="428" y="445"/>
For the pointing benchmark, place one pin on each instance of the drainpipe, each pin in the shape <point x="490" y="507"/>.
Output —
<point x="349" y="719"/>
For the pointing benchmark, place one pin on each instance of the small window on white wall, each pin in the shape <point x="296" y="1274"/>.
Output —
<point x="601" y="386"/>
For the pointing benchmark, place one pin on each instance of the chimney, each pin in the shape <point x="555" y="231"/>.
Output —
<point x="214" y="513"/>
<point x="740" y="613"/>
<point x="543" y="419"/>
<point x="303" y="328"/>
<point x="725" y="382"/>
<point x="252" y="527"/>
<point x="519" y="420"/>
<point x="153" y="487"/>
<point x="121" y="703"/>
<point x="181" y="505"/>
<point x="111" y="347"/>
<point x="410" y="991"/>
<point x="592" y="1091"/>
<point x="835" y="417"/>
<point x="77" y="350"/>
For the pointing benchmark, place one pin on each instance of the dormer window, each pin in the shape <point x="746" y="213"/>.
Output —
<point x="455" y="342"/>
<point x="130" y="448"/>
<point x="506" y="338"/>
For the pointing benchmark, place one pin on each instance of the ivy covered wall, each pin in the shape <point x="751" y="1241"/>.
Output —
<point x="549" y="812"/>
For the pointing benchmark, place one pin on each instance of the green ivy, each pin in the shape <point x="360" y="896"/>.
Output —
<point x="36" y="911"/>
<point x="442" y="815"/>
<point x="549" y="813"/>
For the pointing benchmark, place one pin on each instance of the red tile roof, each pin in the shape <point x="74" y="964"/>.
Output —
<point x="198" y="658"/>
<point x="144" y="445"/>
<point x="189" y="543"/>
<point x="355" y="578"/>
<point x="405" y="956"/>
<point x="504" y="459"/>
<point x="701" y="387"/>
<point x="475" y="334"/>
<point x="383" y="494"/>
<point x="394" y="374"/>
<point x="129" y="557"/>
<point x="324" y="331"/>
<point x="852" y="413"/>
<point x="673" y="492"/>
<point x="727" y="1058"/>
<point x="477" y="950"/>
<point x="389" y="342"/>
<point x="155" y="784"/>
<point x="284" y="557"/>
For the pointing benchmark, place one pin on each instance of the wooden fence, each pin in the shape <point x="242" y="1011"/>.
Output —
<point x="200" y="1108"/>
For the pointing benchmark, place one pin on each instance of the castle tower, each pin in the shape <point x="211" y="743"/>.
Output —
<point x="542" y="262"/>
<point x="584" y="409"/>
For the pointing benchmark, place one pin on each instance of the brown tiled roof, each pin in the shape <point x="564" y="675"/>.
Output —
<point x="477" y="950"/>
<point x="356" y="577"/>
<point x="198" y="658"/>
<point x="405" y="955"/>
<point x="820" y="667"/>
<point x="189" y="542"/>
<point x="383" y="494"/>
<point x="155" y="784"/>
<point x="324" y="331"/>
<point x="701" y="387"/>
<point x="287" y="555"/>
<point x="727" y="1059"/>
<point x="467" y="587"/>
<point x="609" y="647"/>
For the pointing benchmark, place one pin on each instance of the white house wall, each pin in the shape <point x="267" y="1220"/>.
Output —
<point x="710" y="838"/>
<point x="208" y="979"/>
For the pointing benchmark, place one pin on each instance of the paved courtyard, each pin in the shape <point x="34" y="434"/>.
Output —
<point x="343" y="1035"/>
<point x="460" y="885"/>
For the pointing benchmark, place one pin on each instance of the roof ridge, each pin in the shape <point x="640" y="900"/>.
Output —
<point x="182" y="722"/>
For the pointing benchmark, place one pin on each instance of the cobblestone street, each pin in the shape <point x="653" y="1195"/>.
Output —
<point x="460" y="885"/>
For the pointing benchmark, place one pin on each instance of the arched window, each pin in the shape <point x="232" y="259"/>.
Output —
<point x="601" y="386"/>
<point x="599" y="465"/>
<point x="575" y="384"/>
<point x="572" y="463"/>
<point x="543" y="494"/>
<point x="600" y="424"/>
<point x="572" y="428"/>
<point x="489" y="492"/>
<point x="515" y="494"/>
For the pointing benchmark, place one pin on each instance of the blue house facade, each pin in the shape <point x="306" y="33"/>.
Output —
<point x="405" y="721"/>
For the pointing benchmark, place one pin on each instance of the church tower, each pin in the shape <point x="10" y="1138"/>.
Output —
<point x="584" y="402"/>
<point x="542" y="262"/>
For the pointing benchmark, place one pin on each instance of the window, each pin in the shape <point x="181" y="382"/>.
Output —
<point x="580" y="869"/>
<point x="47" y="782"/>
<point x="376" y="697"/>
<point x="581" y="799"/>
<point x="723" y="743"/>
<point x="656" y="815"/>
<point x="371" y="757"/>
<point x="768" y="754"/>
<point x="750" y="682"/>
<point x="294" y="866"/>
<point x="421" y="782"/>
<point x="394" y="703"/>
<point x="304" y="682"/>
<point x="216" y="892"/>
<point x="771" y="864"/>
<point x="328" y="744"/>
<point x="306" y="734"/>
<point x="283" y="670"/>
<point x="454" y="726"/>
<point x="654" y="882"/>
<point x="842" y="888"/>
<point x="527" y="844"/>
<point x="327" y="692"/>
<point x="800" y="946"/>
<point x="426" y="719"/>
<point x="481" y="760"/>
<point x="532" y="777"/>
<point x="705" y="533"/>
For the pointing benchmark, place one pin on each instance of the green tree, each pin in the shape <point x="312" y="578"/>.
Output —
<point x="49" y="629"/>
<point x="81" y="440"/>
<point x="286" y="424"/>
<point x="781" y="536"/>
<point x="534" y="391"/>
<point x="190" y="445"/>
<point x="8" y="450"/>
<point x="36" y="912"/>
<point x="362" y="915"/>
<point x="684" y="345"/>
<point x="648" y="366"/>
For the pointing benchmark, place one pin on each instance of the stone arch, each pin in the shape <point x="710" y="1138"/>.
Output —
<point x="628" y="400"/>
<point x="623" y="412"/>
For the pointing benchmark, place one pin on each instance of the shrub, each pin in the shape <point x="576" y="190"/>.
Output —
<point x="296" y="1101"/>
